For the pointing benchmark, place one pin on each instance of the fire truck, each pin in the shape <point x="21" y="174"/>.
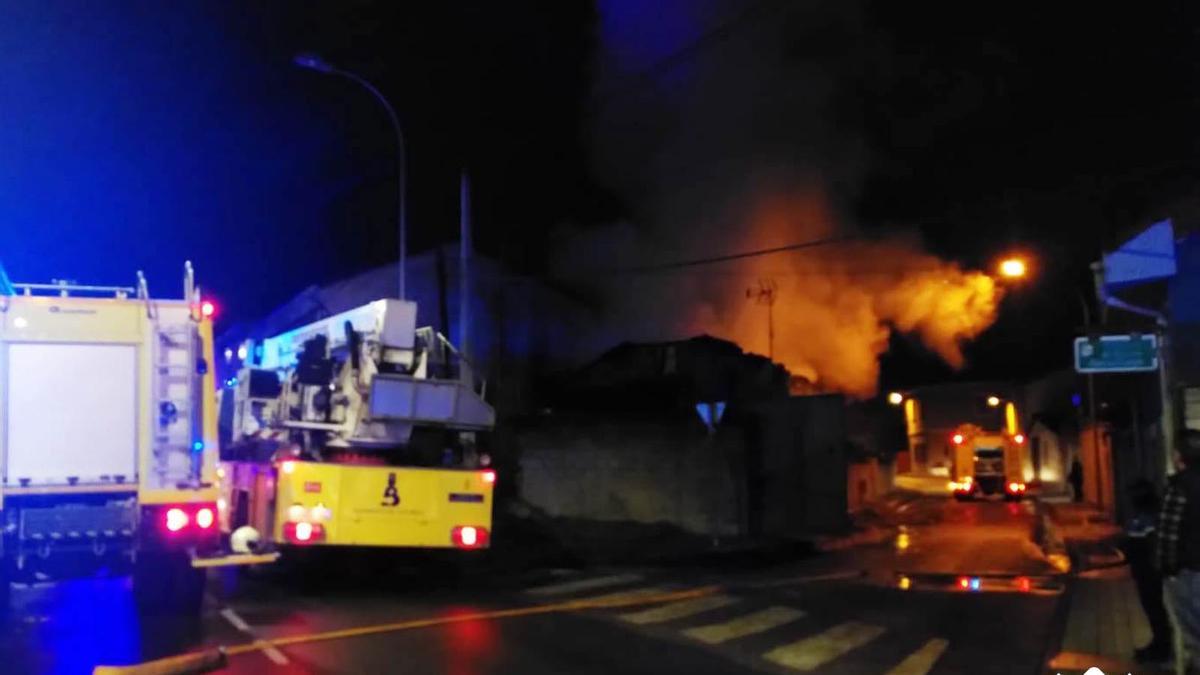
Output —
<point x="988" y="462"/>
<point x="108" y="439"/>
<point x="357" y="430"/>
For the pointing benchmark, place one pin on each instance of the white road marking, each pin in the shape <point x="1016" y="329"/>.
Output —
<point x="235" y="620"/>
<point x="623" y="596"/>
<point x="679" y="610"/>
<point x="265" y="647"/>
<point x="814" y="652"/>
<point x="762" y="620"/>
<point x="795" y="581"/>
<point x="583" y="585"/>
<point x="921" y="661"/>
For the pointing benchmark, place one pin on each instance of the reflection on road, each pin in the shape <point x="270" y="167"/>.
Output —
<point x="69" y="627"/>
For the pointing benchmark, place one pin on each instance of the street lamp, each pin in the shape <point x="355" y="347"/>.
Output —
<point x="316" y="63"/>
<point x="993" y="401"/>
<point x="1012" y="268"/>
<point x="895" y="398"/>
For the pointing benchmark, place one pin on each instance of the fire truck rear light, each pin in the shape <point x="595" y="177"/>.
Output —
<point x="296" y="512"/>
<point x="303" y="533"/>
<point x="1019" y="438"/>
<point x="207" y="309"/>
<point x="177" y="519"/>
<point x="468" y="536"/>
<point x="321" y="512"/>
<point x="957" y="438"/>
<point x="288" y="466"/>
<point x="964" y="583"/>
<point x="488" y="476"/>
<point x="1024" y="584"/>
<point x="205" y="518"/>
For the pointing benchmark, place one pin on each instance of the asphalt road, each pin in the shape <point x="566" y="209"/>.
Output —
<point x="848" y="612"/>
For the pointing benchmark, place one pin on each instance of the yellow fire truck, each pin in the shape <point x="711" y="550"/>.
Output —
<point x="357" y="430"/>
<point x="988" y="462"/>
<point x="108" y="439"/>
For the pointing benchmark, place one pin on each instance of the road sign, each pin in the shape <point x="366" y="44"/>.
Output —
<point x="1116" y="353"/>
<point x="1148" y="256"/>
<point x="711" y="413"/>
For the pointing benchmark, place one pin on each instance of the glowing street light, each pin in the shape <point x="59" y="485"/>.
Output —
<point x="1012" y="268"/>
<point x="993" y="401"/>
<point x="895" y="398"/>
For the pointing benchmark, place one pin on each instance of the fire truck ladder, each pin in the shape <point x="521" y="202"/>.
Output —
<point x="175" y="391"/>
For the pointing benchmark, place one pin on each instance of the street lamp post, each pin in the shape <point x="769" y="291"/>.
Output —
<point x="1091" y="386"/>
<point x="316" y="63"/>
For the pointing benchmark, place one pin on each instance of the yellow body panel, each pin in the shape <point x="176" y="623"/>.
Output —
<point x="111" y="320"/>
<point x="87" y="320"/>
<point x="424" y="507"/>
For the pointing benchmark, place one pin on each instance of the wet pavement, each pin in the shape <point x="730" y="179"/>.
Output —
<point x="846" y="612"/>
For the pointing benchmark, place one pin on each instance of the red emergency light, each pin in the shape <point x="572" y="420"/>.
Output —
<point x="469" y="536"/>
<point x="177" y="519"/>
<point x="184" y="520"/>
<point x="205" y="518"/>
<point x="488" y="476"/>
<point x="303" y="532"/>
<point x="958" y="439"/>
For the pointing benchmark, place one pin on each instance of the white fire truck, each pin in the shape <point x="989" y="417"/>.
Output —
<point x="357" y="430"/>
<point x="108" y="439"/>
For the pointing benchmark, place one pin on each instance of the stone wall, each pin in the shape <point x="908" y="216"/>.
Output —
<point x="634" y="470"/>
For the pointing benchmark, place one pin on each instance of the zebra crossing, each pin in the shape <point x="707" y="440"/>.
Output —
<point x="724" y="619"/>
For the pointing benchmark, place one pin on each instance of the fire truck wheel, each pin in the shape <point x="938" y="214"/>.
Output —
<point x="166" y="583"/>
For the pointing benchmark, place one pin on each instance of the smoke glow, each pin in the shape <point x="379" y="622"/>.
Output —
<point x="835" y="306"/>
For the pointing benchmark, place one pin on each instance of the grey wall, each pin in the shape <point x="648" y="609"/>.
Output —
<point x="641" y="471"/>
<point x="777" y="469"/>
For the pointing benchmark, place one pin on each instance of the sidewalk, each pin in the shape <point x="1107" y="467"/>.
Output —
<point x="1105" y="624"/>
<point x="1104" y="619"/>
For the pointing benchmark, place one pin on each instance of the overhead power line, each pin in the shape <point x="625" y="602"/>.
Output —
<point x="828" y="241"/>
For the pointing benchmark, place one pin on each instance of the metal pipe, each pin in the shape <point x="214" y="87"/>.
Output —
<point x="1091" y="386"/>
<point x="464" y="265"/>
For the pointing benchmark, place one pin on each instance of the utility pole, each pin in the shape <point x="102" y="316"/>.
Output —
<point x="464" y="265"/>
<point x="1091" y="389"/>
<point x="765" y="295"/>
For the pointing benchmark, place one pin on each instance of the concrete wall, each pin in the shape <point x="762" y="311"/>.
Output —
<point x="868" y="480"/>
<point x="634" y="470"/>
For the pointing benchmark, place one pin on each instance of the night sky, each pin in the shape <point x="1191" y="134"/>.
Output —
<point x="136" y="135"/>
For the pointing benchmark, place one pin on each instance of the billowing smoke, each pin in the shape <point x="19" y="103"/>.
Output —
<point x="831" y="307"/>
<point x="724" y="130"/>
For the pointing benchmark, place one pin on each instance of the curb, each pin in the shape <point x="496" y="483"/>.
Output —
<point x="1049" y="539"/>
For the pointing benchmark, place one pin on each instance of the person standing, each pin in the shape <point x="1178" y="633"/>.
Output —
<point x="1138" y="547"/>
<point x="1178" y="549"/>
<point x="1076" y="480"/>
